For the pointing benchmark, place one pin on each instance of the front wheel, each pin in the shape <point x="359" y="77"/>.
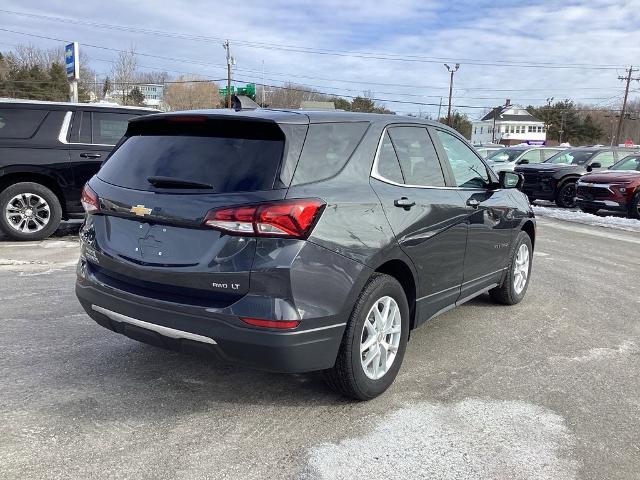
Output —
<point x="29" y="211"/>
<point x="516" y="281"/>
<point x="567" y="195"/>
<point x="374" y="342"/>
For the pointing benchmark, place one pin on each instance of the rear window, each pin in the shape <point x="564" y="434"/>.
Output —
<point x="229" y="162"/>
<point x="326" y="150"/>
<point x="16" y="123"/>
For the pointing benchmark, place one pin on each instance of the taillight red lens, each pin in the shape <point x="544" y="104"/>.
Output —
<point x="258" y="322"/>
<point x="286" y="218"/>
<point x="89" y="200"/>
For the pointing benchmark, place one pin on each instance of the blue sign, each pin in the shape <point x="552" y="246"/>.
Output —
<point x="71" y="61"/>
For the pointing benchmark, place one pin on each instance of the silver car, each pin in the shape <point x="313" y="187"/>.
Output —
<point x="506" y="159"/>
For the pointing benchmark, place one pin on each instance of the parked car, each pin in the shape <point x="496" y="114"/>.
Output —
<point x="48" y="151"/>
<point x="617" y="188"/>
<point x="507" y="158"/>
<point x="555" y="179"/>
<point x="487" y="150"/>
<point x="296" y="241"/>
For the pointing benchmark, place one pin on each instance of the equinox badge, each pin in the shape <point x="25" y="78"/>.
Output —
<point x="140" y="210"/>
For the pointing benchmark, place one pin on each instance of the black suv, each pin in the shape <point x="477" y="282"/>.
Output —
<point x="555" y="179"/>
<point x="293" y="241"/>
<point x="48" y="151"/>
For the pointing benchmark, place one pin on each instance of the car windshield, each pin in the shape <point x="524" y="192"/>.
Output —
<point x="628" y="163"/>
<point x="572" y="157"/>
<point x="506" y="155"/>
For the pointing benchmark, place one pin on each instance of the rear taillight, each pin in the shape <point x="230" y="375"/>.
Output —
<point x="89" y="200"/>
<point x="258" y="322"/>
<point x="286" y="218"/>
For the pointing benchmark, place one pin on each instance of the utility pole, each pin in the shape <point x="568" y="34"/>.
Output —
<point x="451" y="71"/>
<point x="439" y="108"/>
<point x="547" y="118"/>
<point x="628" y="79"/>
<point x="262" y="83"/>
<point x="561" y="126"/>
<point x="228" y="49"/>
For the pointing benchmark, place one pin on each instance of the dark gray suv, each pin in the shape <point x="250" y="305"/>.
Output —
<point x="297" y="241"/>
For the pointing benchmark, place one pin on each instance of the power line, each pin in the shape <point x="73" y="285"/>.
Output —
<point x="320" y="51"/>
<point x="628" y="79"/>
<point x="207" y="64"/>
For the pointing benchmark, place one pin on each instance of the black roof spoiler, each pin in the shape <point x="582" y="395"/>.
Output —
<point x="242" y="102"/>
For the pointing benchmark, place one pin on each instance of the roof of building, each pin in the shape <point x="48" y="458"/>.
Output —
<point x="510" y="113"/>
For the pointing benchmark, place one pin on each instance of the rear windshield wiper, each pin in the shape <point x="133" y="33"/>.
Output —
<point x="172" y="182"/>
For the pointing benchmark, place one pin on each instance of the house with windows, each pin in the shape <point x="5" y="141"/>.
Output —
<point x="508" y="125"/>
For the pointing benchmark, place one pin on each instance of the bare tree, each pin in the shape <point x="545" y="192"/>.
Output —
<point x="124" y="73"/>
<point x="191" y="93"/>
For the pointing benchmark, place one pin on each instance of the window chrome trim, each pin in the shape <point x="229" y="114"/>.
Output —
<point x="64" y="130"/>
<point x="376" y="174"/>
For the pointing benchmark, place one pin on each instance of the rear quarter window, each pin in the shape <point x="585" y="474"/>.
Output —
<point x="17" y="123"/>
<point x="327" y="149"/>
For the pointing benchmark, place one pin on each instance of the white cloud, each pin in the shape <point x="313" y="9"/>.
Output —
<point x="590" y="32"/>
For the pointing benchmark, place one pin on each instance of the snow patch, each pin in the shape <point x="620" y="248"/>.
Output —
<point x="470" y="439"/>
<point x="619" y="223"/>
<point x="624" y="349"/>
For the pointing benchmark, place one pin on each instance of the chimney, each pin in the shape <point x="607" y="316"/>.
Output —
<point x="507" y="102"/>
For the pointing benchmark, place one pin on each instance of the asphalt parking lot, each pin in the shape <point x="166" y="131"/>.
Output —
<point x="547" y="389"/>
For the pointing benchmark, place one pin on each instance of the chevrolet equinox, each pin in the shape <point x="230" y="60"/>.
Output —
<point x="297" y="241"/>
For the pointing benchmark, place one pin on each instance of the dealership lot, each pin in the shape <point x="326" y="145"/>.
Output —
<point x="546" y="389"/>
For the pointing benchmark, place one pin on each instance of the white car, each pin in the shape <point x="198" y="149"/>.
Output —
<point x="507" y="158"/>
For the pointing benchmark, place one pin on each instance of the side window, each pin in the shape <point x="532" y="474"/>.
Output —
<point x="606" y="159"/>
<point x="388" y="166"/>
<point x="326" y="150"/>
<point x="468" y="169"/>
<point x="417" y="156"/>
<point x="532" y="155"/>
<point x="18" y="123"/>
<point x="108" y="128"/>
<point x="547" y="154"/>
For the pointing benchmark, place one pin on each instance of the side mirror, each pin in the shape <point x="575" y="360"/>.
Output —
<point x="524" y="161"/>
<point x="510" y="179"/>
<point x="596" y="165"/>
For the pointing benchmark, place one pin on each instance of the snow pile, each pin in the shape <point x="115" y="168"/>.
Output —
<point x="471" y="439"/>
<point x="619" y="223"/>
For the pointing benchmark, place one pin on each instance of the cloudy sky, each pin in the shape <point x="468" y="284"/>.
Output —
<point x="526" y="51"/>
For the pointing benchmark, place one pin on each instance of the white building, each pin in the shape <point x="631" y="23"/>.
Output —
<point x="153" y="94"/>
<point x="513" y="125"/>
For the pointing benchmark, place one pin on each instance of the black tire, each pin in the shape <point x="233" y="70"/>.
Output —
<point x="634" y="209"/>
<point x="592" y="211"/>
<point x="348" y="377"/>
<point x="52" y="219"/>
<point x="566" y="197"/>
<point x="506" y="293"/>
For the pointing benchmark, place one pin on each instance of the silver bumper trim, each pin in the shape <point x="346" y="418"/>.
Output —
<point x="166" y="331"/>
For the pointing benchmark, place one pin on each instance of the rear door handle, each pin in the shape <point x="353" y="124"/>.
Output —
<point x="90" y="155"/>
<point x="404" y="202"/>
<point x="472" y="202"/>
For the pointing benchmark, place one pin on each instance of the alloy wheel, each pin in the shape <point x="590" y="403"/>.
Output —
<point x="380" y="337"/>
<point x="521" y="269"/>
<point x="569" y="196"/>
<point x="27" y="213"/>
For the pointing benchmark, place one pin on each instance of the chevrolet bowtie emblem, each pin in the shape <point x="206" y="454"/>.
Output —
<point x="140" y="210"/>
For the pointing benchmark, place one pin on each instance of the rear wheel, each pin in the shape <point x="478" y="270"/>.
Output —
<point x="634" y="209"/>
<point x="374" y="343"/>
<point x="592" y="211"/>
<point x="29" y="211"/>
<point x="567" y="195"/>
<point x="516" y="281"/>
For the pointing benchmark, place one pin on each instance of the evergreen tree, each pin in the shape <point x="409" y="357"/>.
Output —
<point x="135" y="97"/>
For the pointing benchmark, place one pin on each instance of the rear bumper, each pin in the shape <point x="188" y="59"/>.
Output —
<point x="183" y="328"/>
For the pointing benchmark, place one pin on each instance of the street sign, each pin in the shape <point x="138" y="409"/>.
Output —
<point x="72" y="61"/>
